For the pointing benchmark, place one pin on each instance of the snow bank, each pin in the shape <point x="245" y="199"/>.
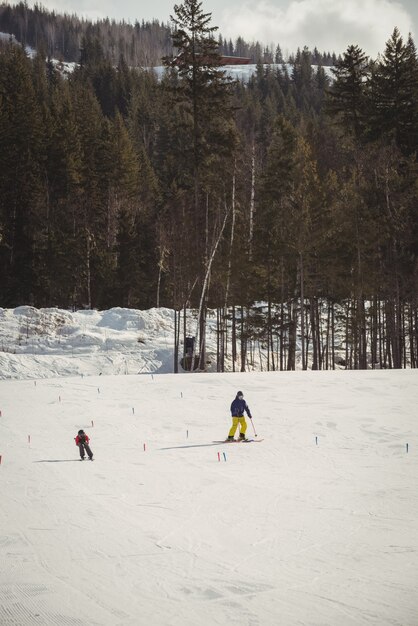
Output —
<point x="118" y="341"/>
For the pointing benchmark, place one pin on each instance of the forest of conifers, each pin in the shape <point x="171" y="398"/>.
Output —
<point x="192" y="191"/>
<point x="142" y="44"/>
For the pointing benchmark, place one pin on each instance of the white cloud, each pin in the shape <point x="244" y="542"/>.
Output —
<point x="330" y="25"/>
<point x="128" y="10"/>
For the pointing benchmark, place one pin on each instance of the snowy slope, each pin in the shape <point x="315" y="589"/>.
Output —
<point x="290" y="531"/>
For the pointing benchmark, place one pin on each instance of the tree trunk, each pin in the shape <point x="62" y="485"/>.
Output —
<point x="347" y="335"/>
<point x="88" y="268"/>
<point x="229" y="272"/>
<point x="302" y="310"/>
<point x="177" y="320"/>
<point x="314" y="334"/>
<point x="234" y="339"/>
<point x="333" y="335"/>
<point x="327" y="342"/>
<point x="291" y="359"/>
<point x="201" y="316"/>
<point x="282" y="313"/>
<point x="252" y="203"/>
<point x="243" y="341"/>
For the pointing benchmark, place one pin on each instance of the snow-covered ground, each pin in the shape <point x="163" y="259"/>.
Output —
<point x="41" y="343"/>
<point x="314" y="526"/>
<point x="6" y="37"/>
<point x="243" y="73"/>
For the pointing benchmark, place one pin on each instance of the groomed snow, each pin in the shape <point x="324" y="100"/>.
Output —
<point x="316" y="525"/>
<point x="290" y="531"/>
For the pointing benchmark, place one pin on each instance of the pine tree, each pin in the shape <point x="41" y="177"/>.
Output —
<point x="144" y="111"/>
<point x="278" y="57"/>
<point x="22" y="184"/>
<point x="302" y="75"/>
<point x="64" y="162"/>
<point x="201" y="98"/>
<point x="347" y="95"/>
<point x="273" y="254"/>
<point x="137" y="242"/>
<point x="394" y="89"/>
<point x="91" y="212"/>
<point x="203" y="87"/>
<point x="133" y="197"/>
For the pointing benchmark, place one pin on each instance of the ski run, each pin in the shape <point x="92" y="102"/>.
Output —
<point x="315" y="527"/>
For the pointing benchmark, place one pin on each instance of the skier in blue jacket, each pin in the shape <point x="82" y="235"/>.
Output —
<point x="238" y="407"/>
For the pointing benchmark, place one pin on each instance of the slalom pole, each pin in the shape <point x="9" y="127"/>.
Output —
<point x="251" y="420"/>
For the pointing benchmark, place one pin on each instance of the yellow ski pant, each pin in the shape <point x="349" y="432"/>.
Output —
<point x="235" y="421"/>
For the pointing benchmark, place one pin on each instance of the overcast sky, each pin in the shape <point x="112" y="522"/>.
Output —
<point x="331" y="25"/>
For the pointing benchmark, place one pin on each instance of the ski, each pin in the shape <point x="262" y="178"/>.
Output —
<point x="227" y="441"/>
<point x="252" y="440"/>
<point x="239" y="441"/>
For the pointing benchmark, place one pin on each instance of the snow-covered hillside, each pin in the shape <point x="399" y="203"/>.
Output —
<point x="243" y="73"/>
<point x="314" y="526"/>
<point x="6" y="37"/>
<point x="40" y="343"/>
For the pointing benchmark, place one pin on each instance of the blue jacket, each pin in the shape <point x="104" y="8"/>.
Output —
<point x="238" y="407"/>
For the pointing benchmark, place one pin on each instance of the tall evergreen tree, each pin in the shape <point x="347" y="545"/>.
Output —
<point x="64" y="162"/>
<point x="347" y="96"/>
<point x="394" y="90"/>
<point x="203" y="87"/>
<point x="22" y="184"/>
<point x="202" y="97"/>
<point x="274" y="254"/>
<point x="91" y="211"/>
<point x="302" y="75"/>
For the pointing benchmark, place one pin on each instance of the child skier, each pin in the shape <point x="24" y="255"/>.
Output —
<point x="82" y="441"/>
<point x="238" y="407"/>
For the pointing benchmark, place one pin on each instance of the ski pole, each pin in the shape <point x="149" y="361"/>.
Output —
<point x="251" y="420"/>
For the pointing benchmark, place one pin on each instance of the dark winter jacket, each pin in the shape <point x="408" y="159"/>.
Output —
<point x="238" y="407"/>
